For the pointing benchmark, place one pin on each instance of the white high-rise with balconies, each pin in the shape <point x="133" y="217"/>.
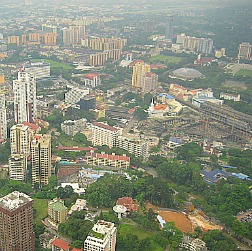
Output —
<point x="102" y="237"/>
<point x="3" y="120"/>
<point x="24" y="88"/>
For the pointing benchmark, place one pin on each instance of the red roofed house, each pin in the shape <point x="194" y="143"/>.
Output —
<point x="92" y="80"/>
<point x="102" y="159"/>
<point x="128" y="203"/>
<point x="33" y="127"/>
<point x="60" y="245"/>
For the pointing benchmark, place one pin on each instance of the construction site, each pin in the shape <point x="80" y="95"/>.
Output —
<point x="210" y="121"/>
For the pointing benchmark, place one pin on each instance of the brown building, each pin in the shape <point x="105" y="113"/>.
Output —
<point x="16" y="223"/>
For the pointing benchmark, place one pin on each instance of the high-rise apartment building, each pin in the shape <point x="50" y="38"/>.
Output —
<point x="73" y="34"/>
<point x="3" y="119"/>
<point x="49" y="38"/>
<point x="16" y="223"/>
<point x="41" y="159"/>
<point x="18" y="167"/>
<point x="139" y="69"/>
<point x="104" y="134"/>
<point x="39" y="70"/>
<point x="149" y="82"/>
<point x="169" y="28"/>
<point x="20" y="139"/>
<point x="57" y="212"/>
<point x="102" y="237"/>
<point x="24" y="89"/>
<point x="245" y="51"/>
<point x="14" y="40"/>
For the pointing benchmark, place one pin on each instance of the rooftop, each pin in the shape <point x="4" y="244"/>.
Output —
<point x="61" y="244"/>
<point x="14" y="200"/>
<point x="105" y="126"/>
<point x="57" y="205"/>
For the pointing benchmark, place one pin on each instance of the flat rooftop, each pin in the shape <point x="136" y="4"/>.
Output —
<point x="14" y="200"/>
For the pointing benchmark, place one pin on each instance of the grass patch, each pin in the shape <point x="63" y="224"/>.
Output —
<point x="132" y="229"/>
<point x="41" y="207"/>
<point x="56" y="64"/>
<point x="164" y="59"/>
<point x="67" y="141"/>
<point x="243" y="72"/>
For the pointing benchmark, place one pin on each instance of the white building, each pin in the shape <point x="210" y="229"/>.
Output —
<point x="3" y="120"/>
<point x="92" y="80"/>
<point x="41" y="159"/>
<point x="104" y="134"/>
<point x="138" y="147"/>
<point x="75" y="94"/>
<point x="24" y="89"/>
<point x="102" y="237"/>
<point x="71" y="127"/>
<point x="228" y="96"/>
<point x="18" y="167"/>
<point x="39" y="69"/>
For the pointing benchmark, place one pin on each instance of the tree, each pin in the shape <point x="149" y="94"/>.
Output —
<point x="140" y="114"/>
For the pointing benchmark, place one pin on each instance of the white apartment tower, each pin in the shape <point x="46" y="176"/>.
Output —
<point x="102" y="237"/>
<point x="24" y="89"/>
<point x="41" y="159"/>
<point x="3" y="120"/>
<point x="104" y="134"/>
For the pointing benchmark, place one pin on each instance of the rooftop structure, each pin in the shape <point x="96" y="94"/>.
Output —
<point x="60" y="245"/>
<point x="128" y="203"/>
<point x="186" y="74"/>
<point x="16" y="223"/>
<point x="102" y="237"/>
<point x="57" y="212"/>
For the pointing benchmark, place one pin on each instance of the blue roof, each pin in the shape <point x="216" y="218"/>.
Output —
<point x="225" y="166"/>
<point x="176" y="140"/>
<point x="169" y="96"/>
<point x="214" y="176"/>
<point x="241" y="176"/>
<point x="160" y="94"/>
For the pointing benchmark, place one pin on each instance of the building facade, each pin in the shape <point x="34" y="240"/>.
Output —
<point x="102" y="237"/>
<point x="39" y="70"/>
<point x="149" y="82"/>
<point x="24" y="89"/>
<point x="244" y="51"/>
<point x="139" y="69"/>
<point x="57" y="212"/>
<point x="16" y="223"/>
<point x="3" y="118"/>
<point x="41" y="159"/>
<point x="104" y="134"/>
<point x="18" y="167"/>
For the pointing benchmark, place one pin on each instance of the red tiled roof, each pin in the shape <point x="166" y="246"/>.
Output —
<point x="158" y="66"/>
<point x="32" y="126"/>
<point x="67" y="171"/>
<point x="91" y="75"/>
<point x="104" y="126"/>
<point x="135" y="62"/>
<point x="160" y="107"/>
<point x="149" y="74"/>
<point x="77" y="249"/>
<point x="61" y="244"/>
<point x="108" y="156"/>
<point x="134" y="207"/>
<point x="76" y="148"/>
<point x="128" y="203"/>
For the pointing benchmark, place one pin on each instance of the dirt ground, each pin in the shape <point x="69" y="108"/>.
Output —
<point x="180" y="220"/>
<point x="198" y="221"/>
<point x="186" y="223"/>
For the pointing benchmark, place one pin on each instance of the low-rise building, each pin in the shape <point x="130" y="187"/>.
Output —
<point x="57" y="212"/>
<point x="102" y="237"/>
<point x="128" y="203"/>
<point x="102" y="159"/>
<point x="229" y="96"/>
<point x="191" y="244"/>
<point x="71" y="127"/>
<point x="60" y="245"/>
<point x="92" y="80"/>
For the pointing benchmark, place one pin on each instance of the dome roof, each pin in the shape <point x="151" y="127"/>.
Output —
<point x="187" y="73"/>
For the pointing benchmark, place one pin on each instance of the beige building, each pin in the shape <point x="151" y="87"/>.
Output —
<point x="57" y="212"/>
<point x="41" y="159"/>
<point x="244" y="51"/>
<point x="139" y="69"/>
<point x="16" y="223"/>
<point x="102" y="237"/>
<point x="20" y="139"/>
<point x="3" y="116"/>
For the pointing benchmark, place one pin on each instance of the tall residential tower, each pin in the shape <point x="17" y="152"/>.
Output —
<point x="24" y="89"/>
<point x="16" y="223"/>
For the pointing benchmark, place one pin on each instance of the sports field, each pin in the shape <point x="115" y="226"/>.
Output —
<point x="243" y="72"/>
<point x="164" y="59"/>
